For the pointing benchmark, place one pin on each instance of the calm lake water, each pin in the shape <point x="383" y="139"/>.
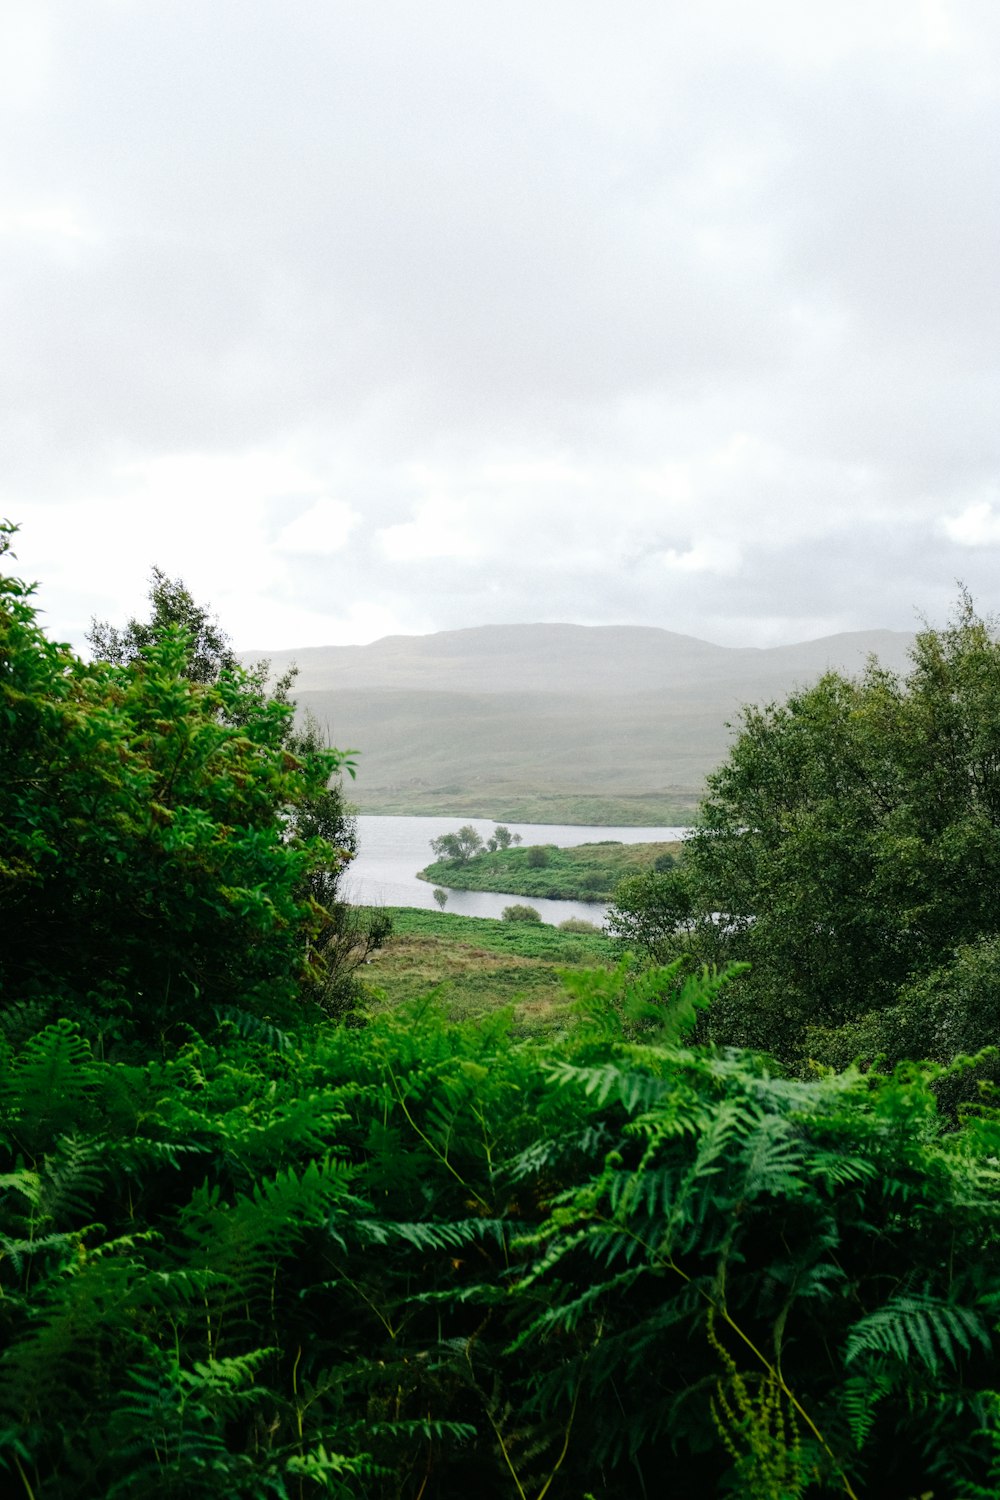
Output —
<point x="392" y="850"/>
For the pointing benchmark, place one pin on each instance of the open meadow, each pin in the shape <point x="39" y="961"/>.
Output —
<point x="477" y="965"/>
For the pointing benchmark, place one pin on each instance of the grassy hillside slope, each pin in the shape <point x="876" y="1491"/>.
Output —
<point x="551" y="722"/>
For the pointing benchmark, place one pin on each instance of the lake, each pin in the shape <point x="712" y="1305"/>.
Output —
<point x="391" y="850"/>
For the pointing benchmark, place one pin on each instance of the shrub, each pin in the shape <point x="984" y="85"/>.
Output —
<point x="519" y="913"/>
<point x="577" y="924"/>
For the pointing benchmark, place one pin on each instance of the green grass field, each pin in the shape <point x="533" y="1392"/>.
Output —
<point x="502" y="805"/>
<point x="586" y="872"/>
<point x="479" y="964"/>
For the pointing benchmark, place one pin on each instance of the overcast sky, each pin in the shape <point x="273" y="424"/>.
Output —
<point x="368" y="318"/>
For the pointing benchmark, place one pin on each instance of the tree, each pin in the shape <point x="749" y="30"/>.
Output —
<point x="440" y="896"/>
<point x="501" y="838"/>
<point x="652" y="913"/>
<point x="160" y="843"/>
<point x="345" y="935"/>
<point x="209" y="651"/>
<point x="850" y="843"/>
<point x="460" y="846"/>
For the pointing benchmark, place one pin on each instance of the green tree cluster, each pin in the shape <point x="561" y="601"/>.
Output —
<point x="163" y="829"/>
<point x="849" y="850"/>
<point x="502" y="838"/>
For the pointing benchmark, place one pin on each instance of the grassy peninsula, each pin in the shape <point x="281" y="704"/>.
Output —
<point x="586" y="872"/>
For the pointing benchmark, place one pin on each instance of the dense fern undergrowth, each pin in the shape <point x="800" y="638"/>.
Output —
<point x="421" y="1259"/>
<point x="246" y="1251"/>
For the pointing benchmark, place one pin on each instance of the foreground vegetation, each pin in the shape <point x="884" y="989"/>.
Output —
<point x="584" y="872"/>
<point x="430" y="1259"/>
<point x="248" y="1251"/>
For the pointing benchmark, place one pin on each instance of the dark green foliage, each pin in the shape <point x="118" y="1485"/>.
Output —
<point x="431" y="1255"/>
<point x="344" y="937"/>
<point x="519" y="913"/>
<point x="460" y="846"/>
<point x="172" y="609"/>
<point x="653" y="913"/>
<point x="501" y="838"/>
<point x="851" y="842"/>
<point x="164" y="838"/>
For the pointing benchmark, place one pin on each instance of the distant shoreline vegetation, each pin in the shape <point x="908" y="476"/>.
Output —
<point x="641" y="810"/>
<point x="585" y="872"/>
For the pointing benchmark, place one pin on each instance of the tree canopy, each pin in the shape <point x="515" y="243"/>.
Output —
<point x="849" y="846"/>
<point x="153" y="862"/>
<point x="460" y="846"/>
<point x="209" y="650"/>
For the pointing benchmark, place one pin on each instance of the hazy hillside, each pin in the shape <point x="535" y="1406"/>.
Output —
<point x="526" y="720"/>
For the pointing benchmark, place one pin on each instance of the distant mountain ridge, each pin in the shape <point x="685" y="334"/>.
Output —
<point x="486" y="720"/>
<point x="612" y="659"/>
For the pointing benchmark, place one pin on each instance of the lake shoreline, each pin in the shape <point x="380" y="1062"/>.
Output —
<point x="391" y="850"/>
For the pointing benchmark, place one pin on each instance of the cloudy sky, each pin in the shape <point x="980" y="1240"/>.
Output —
<point x="387" y="317"/>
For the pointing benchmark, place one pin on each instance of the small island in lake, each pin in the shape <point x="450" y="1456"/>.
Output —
<point x="585" y="872"/>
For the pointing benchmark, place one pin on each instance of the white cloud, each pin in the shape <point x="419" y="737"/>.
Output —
<point x="322" y="530"/>
<point x="26" y="43"/>
<point x="440" y="528"/>
<point x="51" y="220"/>
<point x="978" y="525"/>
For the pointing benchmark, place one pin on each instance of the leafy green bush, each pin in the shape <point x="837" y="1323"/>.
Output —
<point x="518" y="913"/>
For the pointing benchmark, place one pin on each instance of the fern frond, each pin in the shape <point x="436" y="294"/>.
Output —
<point x="917" y="1326"/>
<point x="443" y="1235"/>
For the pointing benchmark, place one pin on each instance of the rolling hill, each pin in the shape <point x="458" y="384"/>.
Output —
<point x="554" y="723"/>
